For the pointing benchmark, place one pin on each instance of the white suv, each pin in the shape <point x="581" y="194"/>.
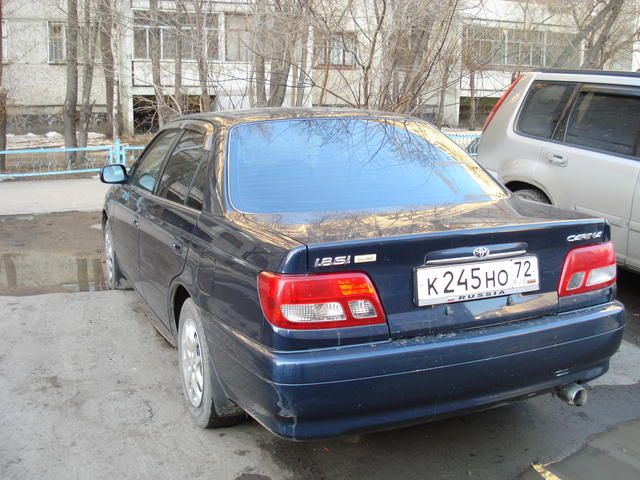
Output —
<point x="572" y="139"/>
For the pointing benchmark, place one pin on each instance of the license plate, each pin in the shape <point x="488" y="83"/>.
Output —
<point x="471" y="281"/>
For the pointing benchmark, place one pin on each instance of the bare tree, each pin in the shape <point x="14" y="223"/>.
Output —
<point x="3" y="98"/>
<point x="89" y="39"/>
<point x="71" y="98"/>
<point x="154" y="52"/>
<point x="105" y="27"/>
<point x="598" y="20"/>
<point x="201" y="22"/>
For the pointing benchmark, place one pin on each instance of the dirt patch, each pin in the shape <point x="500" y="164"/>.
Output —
<point x="68" y="233"/>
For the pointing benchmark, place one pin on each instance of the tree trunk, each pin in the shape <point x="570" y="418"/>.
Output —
<point x="3" y="103"/>
<point x="71" y="98"/>
<point x="155" y="62"/>
<point x="90" y="36"/>
<point x="177" y="74"/>
<point x="203" y="66"/>
<point x="472" y="100"/>
<point x="443" y="93"/>
<point x="592" y="59"/>
<point x="106" y="52"/>
<point x="304" y="45"/>
<point x="595" y="23"/>
<point x="261" y="92"/>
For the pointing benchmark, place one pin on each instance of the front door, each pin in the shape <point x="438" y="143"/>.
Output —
<point x="125" y="218"/>
<point x="168" y="220"/>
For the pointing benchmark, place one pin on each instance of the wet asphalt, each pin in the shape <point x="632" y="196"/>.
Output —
<point x="88" y="389"/>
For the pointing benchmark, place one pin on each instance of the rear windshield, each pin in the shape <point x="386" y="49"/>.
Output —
<point x="336" y="164"/>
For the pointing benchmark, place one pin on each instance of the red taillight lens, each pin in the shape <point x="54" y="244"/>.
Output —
<point x="500" y="101"/>
<point x="331" y="300"/>
<point x="587" y="269"/>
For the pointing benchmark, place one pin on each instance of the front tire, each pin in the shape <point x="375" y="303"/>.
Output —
<point x="114" y="278"/>
<point x="196" y="370"/>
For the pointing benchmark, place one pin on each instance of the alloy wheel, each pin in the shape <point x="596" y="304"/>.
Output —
<point x="192" y="362"/>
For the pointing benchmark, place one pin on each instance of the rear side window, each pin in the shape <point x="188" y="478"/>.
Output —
<point x="605" y="121"/>
<point x="543" y="108"/>
<point x="196" y="193"/>
<point x="341" y="164"/>
<point x="148" y="169"/>
<point x="182" y="166"/>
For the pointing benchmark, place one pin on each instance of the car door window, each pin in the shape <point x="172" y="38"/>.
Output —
<point x="543" y="108"/>
<point x="181" y="167"/>
<point x="196" y="193"/>
<point x="605" y="121"/>
<point x="147" y="171"/>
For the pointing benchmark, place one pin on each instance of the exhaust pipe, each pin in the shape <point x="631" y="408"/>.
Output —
<point x="573" y="394"/>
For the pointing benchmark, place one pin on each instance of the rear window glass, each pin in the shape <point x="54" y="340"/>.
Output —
<point x="543" y="107"/>
<point x="605" y="121"/>
<point x="339" y="164"/>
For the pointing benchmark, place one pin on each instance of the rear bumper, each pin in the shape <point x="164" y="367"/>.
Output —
<point x="334" y="391"/>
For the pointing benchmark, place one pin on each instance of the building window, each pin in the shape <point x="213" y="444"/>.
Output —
<point x="237" y="38"/>
<point x="337" y="50"/>
<point x="169" y="28"/>
<point x="510" y="47"/>
<point x="57" y="42"/>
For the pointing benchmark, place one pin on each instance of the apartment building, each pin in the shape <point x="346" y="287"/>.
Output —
<point x="502" y="37"/>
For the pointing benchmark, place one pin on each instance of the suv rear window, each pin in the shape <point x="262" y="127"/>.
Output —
<point x="543" y="107"/>
<point x="605" y="121"/>
<point x="340" y="164"/>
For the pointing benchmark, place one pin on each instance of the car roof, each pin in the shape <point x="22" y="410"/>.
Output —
<point x="590" y="76"/>
<point x="230" y="118"/>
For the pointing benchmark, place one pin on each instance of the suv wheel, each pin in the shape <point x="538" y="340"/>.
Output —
<point x="533" y="195"/>
<point x="196" y="369"/>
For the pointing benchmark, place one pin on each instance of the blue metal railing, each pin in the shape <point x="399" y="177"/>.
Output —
<point x="466" y="141"/>
<point x="39" y="162"/>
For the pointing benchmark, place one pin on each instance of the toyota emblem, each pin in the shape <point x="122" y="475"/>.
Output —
<point x="481" y="252"/>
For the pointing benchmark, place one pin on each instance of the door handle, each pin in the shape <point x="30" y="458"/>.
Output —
<point x="136" y="222"/>
<point x="177" y="246"/>
<point x="557" y="159"/>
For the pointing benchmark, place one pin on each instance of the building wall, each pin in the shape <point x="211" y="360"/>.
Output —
<point x="36" y="87"/>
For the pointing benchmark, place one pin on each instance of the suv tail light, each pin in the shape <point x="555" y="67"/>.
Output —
<point x="587" y="269"/>
<point x="319" y="301"/>
<point x="500" y="101"/>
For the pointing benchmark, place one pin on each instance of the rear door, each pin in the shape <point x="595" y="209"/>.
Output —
<point x="592" y="167"/>
<point x="168" y="218"/>
<point x="633" y="256"/>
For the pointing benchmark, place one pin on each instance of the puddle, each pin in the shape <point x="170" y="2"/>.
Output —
<point x="34" y="273"/>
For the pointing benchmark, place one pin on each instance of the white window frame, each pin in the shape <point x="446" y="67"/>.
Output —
<point x="5" y="43"/>
<point x="62" y="60"/>
<point x="525" y="48"/>
<point x="162" y="28"/>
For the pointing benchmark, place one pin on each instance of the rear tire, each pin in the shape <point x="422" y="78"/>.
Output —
<point x="533" y="195"/>
<point x="196" y="371"/>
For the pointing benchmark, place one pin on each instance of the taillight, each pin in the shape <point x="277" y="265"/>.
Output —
<point x="587" y="269"/>
<point x="315" y="301"/>
<point x="500" y="101"/>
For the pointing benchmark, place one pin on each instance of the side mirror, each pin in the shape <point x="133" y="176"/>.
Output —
<point x="115" y="173"/>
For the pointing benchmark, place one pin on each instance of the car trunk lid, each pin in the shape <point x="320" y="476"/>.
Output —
<point x="392" y="252"/>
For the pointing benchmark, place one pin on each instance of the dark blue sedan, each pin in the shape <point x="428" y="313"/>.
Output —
<point x="334" y="272"/>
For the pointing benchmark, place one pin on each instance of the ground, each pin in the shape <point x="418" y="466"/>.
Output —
<point x="89" y="389"/>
